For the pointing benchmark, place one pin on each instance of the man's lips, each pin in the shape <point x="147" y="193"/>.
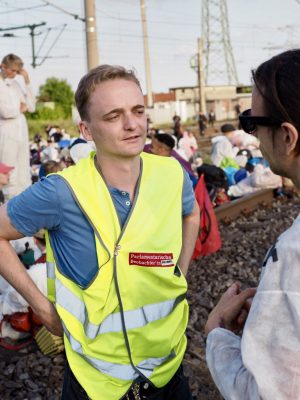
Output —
<point x="133" y="137"/>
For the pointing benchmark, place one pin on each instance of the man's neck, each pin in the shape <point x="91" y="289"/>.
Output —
<point x="120" y="174"/>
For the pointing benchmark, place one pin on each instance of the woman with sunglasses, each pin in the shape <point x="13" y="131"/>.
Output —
<point x="264" y="363"/>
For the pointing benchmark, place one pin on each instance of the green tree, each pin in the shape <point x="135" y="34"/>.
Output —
<point x="58" y="91"/>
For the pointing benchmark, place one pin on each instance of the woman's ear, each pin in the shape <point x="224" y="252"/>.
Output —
<point x="85" y="131"/>
<point x="290" y="137"/>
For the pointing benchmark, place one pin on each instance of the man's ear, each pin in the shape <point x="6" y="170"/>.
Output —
<point x="85" y="131"/>
<point x="290" y="137"/>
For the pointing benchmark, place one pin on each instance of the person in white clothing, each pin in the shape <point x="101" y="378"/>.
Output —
<point x="15" y="99"/>
<point x="188" y="144"/>
<point x="222" y="146"/>
<point x="264" y="362"/>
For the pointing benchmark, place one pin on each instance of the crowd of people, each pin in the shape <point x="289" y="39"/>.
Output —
<point x="107" y="230"/>
<point x="234" y="168"/>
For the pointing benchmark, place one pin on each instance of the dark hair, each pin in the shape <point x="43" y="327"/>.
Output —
<point x="97" y="75"/>
<point x="278" y="82"/>
<point x="226" y="128"/>
<point x="165" y="138"/>
<point x="52" y="166"/>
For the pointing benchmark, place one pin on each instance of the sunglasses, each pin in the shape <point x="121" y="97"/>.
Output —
<point x="249" y="122"/>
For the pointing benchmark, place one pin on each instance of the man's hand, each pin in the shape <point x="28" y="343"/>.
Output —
<point x="49" y="317"/>
<point x="232" y="310"/>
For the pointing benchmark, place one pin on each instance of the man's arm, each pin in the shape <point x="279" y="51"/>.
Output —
<point x="190" y="228"/>
<point x="14" y="272"/>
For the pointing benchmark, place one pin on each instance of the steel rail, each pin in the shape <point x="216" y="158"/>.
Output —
<point x="247" y="202"/>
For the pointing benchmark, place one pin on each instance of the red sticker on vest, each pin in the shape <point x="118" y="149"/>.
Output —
<point x="151" y="259"/>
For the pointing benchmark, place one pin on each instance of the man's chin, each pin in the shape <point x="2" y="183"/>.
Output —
<point x="132" y="153"/>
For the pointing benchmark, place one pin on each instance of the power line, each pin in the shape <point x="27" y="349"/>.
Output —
<point x="76" y="16"/>
<point x="139" y="21"/>
<point x="53" y="44"/>
<point x="14" y="10"/>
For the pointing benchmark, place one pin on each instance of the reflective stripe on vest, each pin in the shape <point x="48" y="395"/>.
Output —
<point x="119" y="371"/>
<point x="133" y="318"/>
<point x="50" y="270"/>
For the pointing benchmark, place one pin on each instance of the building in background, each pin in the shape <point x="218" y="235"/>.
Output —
<point x="225" y="101"/>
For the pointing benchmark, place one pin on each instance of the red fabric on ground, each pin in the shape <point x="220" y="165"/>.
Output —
<point x="209" y="239"/>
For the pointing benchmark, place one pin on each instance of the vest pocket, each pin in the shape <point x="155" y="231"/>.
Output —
<point x="177" y="271"/>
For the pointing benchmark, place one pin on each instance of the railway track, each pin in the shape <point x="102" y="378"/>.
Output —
<point x="249" y="202"/>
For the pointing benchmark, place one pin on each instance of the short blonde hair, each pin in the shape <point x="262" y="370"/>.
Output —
<point x="100" y="74"/>
<point x="11" y="60"/>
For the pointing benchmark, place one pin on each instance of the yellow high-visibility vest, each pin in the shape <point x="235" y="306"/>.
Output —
<point x="131" y="320"/>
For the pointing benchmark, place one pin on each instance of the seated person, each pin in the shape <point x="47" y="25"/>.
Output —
<point x="188" y="144"/>
<point x="16" y="319"/>
<point x="80" y="148"/>
<point x="163" y="145"/>
<point x="222" y="146"/>
<point x="50" y="167"/>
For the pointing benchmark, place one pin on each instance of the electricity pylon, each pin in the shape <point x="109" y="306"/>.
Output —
<point x="220" y="66"/>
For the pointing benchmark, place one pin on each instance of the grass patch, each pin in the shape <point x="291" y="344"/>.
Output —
<point x="38" y="126"/>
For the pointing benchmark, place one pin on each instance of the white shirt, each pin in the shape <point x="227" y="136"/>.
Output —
<point x="265" y="363"/>
<point x="11" y="96"/>
<point x="221" y="148"/>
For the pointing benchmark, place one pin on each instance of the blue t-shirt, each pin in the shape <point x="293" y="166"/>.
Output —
<point x="49" y="204"/>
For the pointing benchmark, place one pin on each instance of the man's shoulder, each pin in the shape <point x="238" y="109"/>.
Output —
<point x="45" y="190"/>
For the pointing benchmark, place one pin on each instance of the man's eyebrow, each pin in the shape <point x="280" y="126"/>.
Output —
<point x="114" y="111"/>
<point x="138" y="106"/>
<point x="120" y="110"/>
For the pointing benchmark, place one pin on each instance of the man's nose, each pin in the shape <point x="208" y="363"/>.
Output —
<point x="130" y="122"/>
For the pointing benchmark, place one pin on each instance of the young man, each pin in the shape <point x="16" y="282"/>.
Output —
<point x="15" y="100"/>
<point x="118" y="234"/>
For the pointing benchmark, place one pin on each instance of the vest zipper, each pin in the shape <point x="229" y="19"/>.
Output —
<point x="116" y="252"/>
<point x="117" y="248"/>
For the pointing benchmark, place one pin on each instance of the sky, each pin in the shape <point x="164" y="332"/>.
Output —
<point x="258" y="30"/>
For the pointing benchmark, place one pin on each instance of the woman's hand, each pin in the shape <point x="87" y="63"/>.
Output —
<point x="232" y="310"/>
<point x="23" y="107"/>
<point x="25" y="75"/>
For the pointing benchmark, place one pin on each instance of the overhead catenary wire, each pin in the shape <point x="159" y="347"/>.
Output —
<point x="107" y="15"/>
<point x="76" y="16"/>
<point x="44" y="40"/>
<point x="14" y="10"/>
<point x="53" y="44"/>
